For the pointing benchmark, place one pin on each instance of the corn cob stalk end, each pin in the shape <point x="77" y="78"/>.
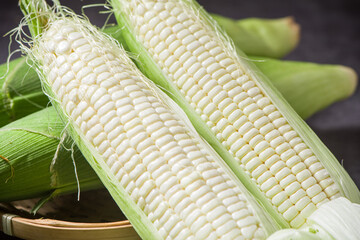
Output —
<point x="262" y="37"/>
<point x="352" y="80"/>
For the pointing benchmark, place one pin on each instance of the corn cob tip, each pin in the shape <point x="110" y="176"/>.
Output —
<point x="295" y="29"/>
<point x="352" y="79"/>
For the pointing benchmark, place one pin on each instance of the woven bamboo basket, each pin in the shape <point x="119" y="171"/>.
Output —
<point x="66" y="218"/>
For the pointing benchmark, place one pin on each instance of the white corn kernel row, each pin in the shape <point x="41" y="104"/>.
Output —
<point x="241" y="116"/>
<point x="169" y="174"/>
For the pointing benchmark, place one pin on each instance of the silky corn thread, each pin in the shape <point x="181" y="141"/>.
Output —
<point x="179" y="185"/>
<point x="233" y="106"/>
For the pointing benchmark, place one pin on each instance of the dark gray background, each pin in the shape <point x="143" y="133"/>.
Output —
<point x="330" y="33"/>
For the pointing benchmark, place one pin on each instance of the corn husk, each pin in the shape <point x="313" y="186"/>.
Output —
<point x="309" y="87"/>
<point x="21" y="92"/>
<point x="42" y="162"/>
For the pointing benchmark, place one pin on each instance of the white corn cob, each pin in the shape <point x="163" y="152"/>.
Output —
<point x="171" y="184"/>
<point x="203" y="67"/>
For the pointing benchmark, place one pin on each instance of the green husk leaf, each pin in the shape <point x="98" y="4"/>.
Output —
<point x="21" y="92"/>
<point x="308" y="87"/>
<point x="34" y="12"/>
<point x="272" y="38"/>
<point x="41" y="163"/>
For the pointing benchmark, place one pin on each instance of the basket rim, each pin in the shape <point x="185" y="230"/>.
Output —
<point x="22" y="227"/>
